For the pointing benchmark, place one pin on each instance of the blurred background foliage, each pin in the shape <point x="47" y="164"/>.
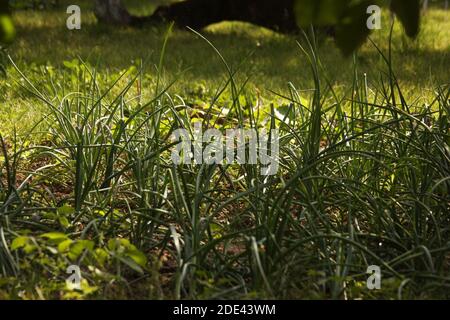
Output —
<point x="349" y="17"/>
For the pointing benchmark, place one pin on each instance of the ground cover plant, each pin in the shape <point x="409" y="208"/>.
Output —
<point x="87" y="178"/>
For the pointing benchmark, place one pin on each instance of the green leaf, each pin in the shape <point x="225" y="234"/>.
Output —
<point x="137" y="256"/>
<point x="408" y="12"/>
<point x="7" y="30"/>
<point x="101" y="255"/>
<point x="350" y="18"/>
<point x="55" y="236"/>
<point x="352" y="30"/>
<point x="64" y="246"/>
<point x="64" y="222"/>
<point x="66" y="210"/>
<point x="49" y="215"/>
<point x="78" y="247"/>
<point x="319" y="12"/>
<point x="114" y="244"/>
<point x="19" y="242"/>
<point x="29" y="248"/>
<point x="73" y="64"/>
<point x="304" y="12"/>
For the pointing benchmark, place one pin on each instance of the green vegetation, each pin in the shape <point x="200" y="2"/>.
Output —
<point x="86" y="177"/>
<point x="270" y="60"/>
<point x="350" y="18"/>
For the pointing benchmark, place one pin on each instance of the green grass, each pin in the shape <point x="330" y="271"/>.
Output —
<point x="271" y="60"/>
<point x="86" y="176"/>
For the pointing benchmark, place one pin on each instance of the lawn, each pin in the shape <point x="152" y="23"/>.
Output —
<point x="269" y="60"/>
<point x="87" y="178"/>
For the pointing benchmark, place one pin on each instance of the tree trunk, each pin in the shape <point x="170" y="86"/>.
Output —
<point x="112" y="12"/>
<point x="197" y="14"/>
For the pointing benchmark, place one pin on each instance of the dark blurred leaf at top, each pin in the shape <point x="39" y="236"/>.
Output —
<point x="408" y="12"/>
<point x="7" y="30"/>
<point x="349" y="18"/>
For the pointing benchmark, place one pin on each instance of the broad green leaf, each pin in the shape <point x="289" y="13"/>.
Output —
<point x="55" y="236"/>
<point x="78" y="247"/>
<point x="137" y="256"/>
<point x="319" y="12"/>
<point x="350" y="18"/>
<point x="64" y="246"/>
<point x="330" y="12"/>
<point x="304" y="12"/>
<point x="7" y="30"/>
<point x="73" y="64"/>
<point x="114" y="244"/>
<point x="408" y="12"/>
<point x="352" y="30"/>
<point x="64" y="222"/>
<point x="29" y="248"/>
<point x="19" y="242"/>
<point x="49" y="215"/>
<point x="101" y="255"/>
<point x="66" y="210"/>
